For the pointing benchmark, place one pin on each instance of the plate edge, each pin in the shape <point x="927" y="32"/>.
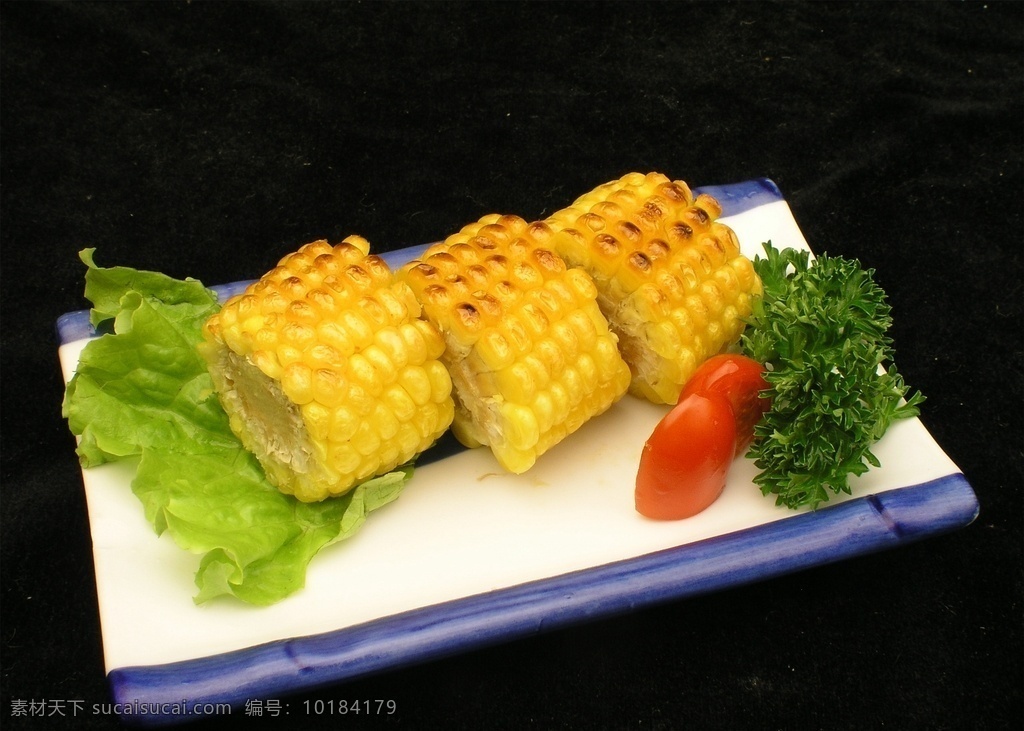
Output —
<point x="793" y="543"/>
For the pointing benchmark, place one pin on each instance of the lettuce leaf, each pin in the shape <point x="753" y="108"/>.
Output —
<point x="141" y="391"/>
<point x="144" y="385"/>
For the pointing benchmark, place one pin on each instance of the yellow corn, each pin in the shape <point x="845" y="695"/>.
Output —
<point x="530" y="354"/>
<point x="672" y="281"/>
<point x="326" y="370"/>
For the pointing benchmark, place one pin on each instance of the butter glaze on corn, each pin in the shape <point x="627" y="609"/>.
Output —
<point x="327" y="372"/>
<point x="530" y="354"/>
<point x="671" y="278"/>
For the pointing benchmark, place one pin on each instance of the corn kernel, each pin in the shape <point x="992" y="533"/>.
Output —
<point x="543" y="409"/>
<point x="267" y="362"/>
<point x="440" y="380"/>
<point x="329" y="387"/>
<point x="574" y="385"/>
<point x="366" y="440"/>
<point x="698" y="311"/>
<point x="525" y="276"/>
<point x="522" y="429"/>
<point x="663" y="338"/>
<point x="571" y="244"/>
<point x="322" y="355"/>
<point x="516" y="460"/>
<point x="494" y="350"/>
<point x="394" y="304"/>
<point x="537" y="370"/>
<point x="583" y="327"/>
<point x="298" y="334"/>
<point x="559" y="398"/>
<point x="344" y="422"/>
<point x="297" y="382"/>
<point x="385" y="370"/>
<point x="426" y="418"/>
<point x="358" y="328"/>
<point x="415" y="342"/>
<point x="534" y="318"/>
<point x="389" y="455"/>
<point x="344" y="458"/>
<point x="516" y="382"/>
<point x="416" y="382"/>
<point x="390" y="343"/>
<point x="714" y="299"/>
<point x="587" y="368"/>
<point x="551" y="355"/>
<point x="582" y="283"/>
<point x="317" y="418"/>
<point x="516" y="335"/>
<point x="609" y="210"/>
<point x="376" y="313"/>
<point x="366" y="468"/>
<point x="563" y="333"/>
<point x="408" y="438"/>
<point x="384" y="421"/>
<point x="400" y="402"/>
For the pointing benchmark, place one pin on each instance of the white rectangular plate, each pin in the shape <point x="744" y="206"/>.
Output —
<point x="469" y="555"/>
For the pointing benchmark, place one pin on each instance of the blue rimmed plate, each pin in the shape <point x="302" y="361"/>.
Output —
<point x="469" y="555"/>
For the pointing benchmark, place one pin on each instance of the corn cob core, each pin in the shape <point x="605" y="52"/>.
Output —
<point x="671" y="278"/>
<point x="326" y="371"/>
<point x="530" y="354"/>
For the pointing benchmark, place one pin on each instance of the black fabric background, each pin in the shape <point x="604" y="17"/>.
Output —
<point x="208" y="139"/>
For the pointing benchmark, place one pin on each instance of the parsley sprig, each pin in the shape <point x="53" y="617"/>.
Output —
<point x="821" y="330"/>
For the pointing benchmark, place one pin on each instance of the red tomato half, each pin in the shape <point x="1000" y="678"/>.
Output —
<point x="686" y="459"/>
<point x="740" y="380"/>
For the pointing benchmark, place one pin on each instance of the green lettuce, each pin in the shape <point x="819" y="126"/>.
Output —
<point x="141" y="392"/>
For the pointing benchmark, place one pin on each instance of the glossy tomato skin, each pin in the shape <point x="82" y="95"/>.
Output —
<point x="740" y="380"/>
<point x="685" y="461"/>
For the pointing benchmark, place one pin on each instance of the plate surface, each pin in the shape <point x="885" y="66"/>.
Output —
<point x="469" y="555"/>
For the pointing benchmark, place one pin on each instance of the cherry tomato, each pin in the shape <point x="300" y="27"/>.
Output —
<point x="685" y="461"/>
<point x="740" y="380"/>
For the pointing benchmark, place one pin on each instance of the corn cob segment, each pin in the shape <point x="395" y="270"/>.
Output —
<point x="672" y="281"/>
<point x="530" y="354"/>
<point x="326" y="370"/>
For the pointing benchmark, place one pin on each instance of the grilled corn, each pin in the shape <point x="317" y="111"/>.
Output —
<point x="671" y="278"/>
<point x="530" y="354"/>
<point x="326" y="370"/>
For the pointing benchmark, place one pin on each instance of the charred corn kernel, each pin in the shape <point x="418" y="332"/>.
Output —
<point x="326" y="370"/>
<point x="514" y="319"/>
<point x="656" y="253"/>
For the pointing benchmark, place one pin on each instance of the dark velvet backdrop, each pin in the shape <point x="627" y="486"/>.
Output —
<point x="207" y="139"/>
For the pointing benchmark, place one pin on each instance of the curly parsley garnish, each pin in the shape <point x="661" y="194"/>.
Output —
<point x="820" y="329"/>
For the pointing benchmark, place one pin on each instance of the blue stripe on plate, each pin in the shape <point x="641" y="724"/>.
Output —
<point x="276" y="669"/>
<point x="734" y="197"/>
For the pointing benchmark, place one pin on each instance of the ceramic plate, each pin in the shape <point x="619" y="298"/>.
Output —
<point x="469" y="556"/>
